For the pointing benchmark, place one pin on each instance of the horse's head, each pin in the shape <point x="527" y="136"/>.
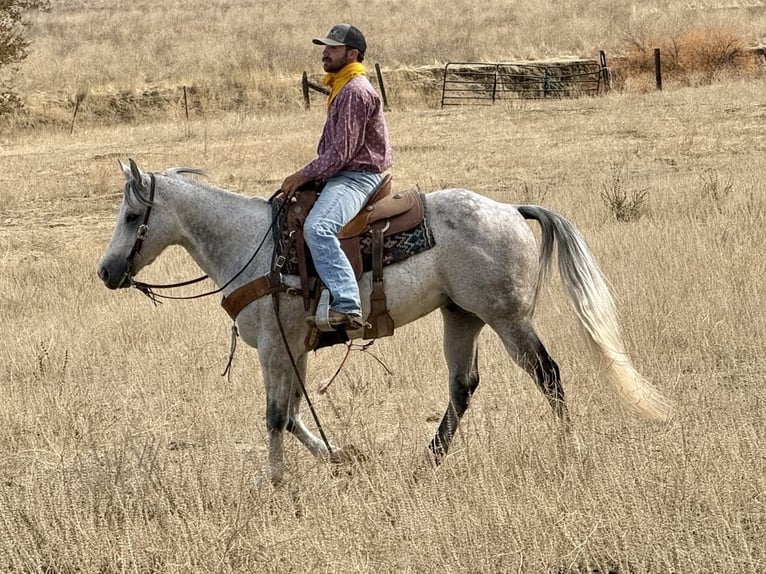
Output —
<point x="139" y="234"/>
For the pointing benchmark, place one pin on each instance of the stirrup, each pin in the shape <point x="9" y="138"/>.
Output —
<point x="321" y="319"/>
<point x="346" y="321"/>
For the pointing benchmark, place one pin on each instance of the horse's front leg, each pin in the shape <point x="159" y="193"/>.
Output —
<point x="276" y="421"/>
<point x="282" y="394"/>
<point x="319" y="447"/>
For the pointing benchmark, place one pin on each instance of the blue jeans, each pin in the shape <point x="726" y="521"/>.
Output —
<point x="343" y="196"/>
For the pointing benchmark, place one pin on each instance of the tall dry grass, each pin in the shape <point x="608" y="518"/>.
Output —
<point x="122" y="448"/>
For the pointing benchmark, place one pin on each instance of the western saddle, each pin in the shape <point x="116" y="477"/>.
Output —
<point x="384" y="215"/>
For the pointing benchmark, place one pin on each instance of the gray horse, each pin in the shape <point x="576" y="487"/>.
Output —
<point x="485" y="269"/>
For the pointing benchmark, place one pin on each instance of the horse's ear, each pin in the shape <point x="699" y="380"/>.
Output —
<point x="136" y="173"/>
<point x="125" y="169"/>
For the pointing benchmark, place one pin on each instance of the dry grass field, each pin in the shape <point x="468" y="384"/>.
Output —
<point x="122" y="449"/>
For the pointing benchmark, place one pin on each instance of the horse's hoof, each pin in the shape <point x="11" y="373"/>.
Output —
<point x="347" y="454"/>
<point x="265" y="482"/>
<point x="572" y="443"/>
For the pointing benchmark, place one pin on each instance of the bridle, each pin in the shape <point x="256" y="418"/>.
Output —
<point x="149" y="289"/>
<point x="141" y="234"/>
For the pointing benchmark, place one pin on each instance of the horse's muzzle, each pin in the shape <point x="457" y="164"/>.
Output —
<point x="112" y="280"/>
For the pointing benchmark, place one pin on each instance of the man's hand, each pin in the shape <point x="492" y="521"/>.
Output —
<point x="292" y="182"/>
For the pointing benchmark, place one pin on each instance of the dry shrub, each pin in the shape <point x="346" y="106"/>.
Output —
<point x="13" y="46"/>
<point x="698" y="54"/>
<point x="712" y="50"/>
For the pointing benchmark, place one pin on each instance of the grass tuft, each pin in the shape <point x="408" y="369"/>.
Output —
<point x="624" y="202"/>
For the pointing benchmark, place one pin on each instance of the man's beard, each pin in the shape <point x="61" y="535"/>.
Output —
<point x="334" y="68"/>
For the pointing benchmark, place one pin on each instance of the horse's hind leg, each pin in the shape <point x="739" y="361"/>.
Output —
<point x="527" y="350"/>
<point x="461" y="332"/>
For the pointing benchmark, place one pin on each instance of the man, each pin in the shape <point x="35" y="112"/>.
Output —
<point x="353" y="153"/>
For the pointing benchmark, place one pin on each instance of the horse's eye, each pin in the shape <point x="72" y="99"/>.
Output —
<point x="131" y="217"/>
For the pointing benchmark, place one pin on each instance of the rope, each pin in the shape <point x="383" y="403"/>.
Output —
<point x="350" y="346"/>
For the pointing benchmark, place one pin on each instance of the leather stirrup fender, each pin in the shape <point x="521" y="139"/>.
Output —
<point x="380" y="322"/>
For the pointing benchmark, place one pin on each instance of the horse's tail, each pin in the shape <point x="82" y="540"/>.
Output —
<point x="592" y="301"/>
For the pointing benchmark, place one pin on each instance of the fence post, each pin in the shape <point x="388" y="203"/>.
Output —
<point x="77" y="100"/>
<point x="606" y="73"/>
<point x="494" y="82"/>
<point x="444" y="83"/>
<point x="658" y="68"/>
<point x="382" y="86"/>
<point x="186" y="112"/>
<point x="305" y="88"/>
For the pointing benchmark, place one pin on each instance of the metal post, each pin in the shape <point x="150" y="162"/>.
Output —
<point x="186" y="106"/>
<point x="444" y="83"/>
<point x="658" y="68"/>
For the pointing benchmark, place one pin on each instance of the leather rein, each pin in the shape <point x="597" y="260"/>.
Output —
<point x="149" y="289"/>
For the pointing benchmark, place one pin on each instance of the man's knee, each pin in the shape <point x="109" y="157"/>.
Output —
<point x="317" y="230"/>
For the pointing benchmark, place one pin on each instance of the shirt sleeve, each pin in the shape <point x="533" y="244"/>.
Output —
<point x="342" y="138"/>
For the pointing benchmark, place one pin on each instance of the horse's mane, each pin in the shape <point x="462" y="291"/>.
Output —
<point x="174" y="171"/>
<point x="134" y="193"/>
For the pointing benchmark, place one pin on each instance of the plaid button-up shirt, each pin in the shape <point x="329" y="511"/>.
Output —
<point x="355" y="135"/>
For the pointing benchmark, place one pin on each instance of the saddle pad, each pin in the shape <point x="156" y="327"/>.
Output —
<point x="396" y="247"/>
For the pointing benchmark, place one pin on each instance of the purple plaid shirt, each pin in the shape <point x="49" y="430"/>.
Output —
<point x="355" y="135"/>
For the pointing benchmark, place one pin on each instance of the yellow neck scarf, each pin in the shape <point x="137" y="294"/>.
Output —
<point x="340" y="79"/>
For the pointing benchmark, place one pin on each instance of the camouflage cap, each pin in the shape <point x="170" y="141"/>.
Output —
<point x="344" y="35"/>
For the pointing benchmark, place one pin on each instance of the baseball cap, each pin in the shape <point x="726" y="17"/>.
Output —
<point x="343" y="35"/>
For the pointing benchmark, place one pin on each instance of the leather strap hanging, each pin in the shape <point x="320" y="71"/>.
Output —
<point x="380" y="321"/>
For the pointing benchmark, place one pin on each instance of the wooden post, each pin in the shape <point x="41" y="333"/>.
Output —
<point x="186" y="106"/>
<point x="658" y="68"/>
<point x="305" y="87"/>
<point x="77" y="99"/>
<point x="547" y="82"/>
<point x="186" y="113"/>
<point x="74" y="116"/>
<point x="382" y="86"/>
<point x="606" y="73"/>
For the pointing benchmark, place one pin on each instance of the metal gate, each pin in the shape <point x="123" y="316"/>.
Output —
<point x="484" y="83"/>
